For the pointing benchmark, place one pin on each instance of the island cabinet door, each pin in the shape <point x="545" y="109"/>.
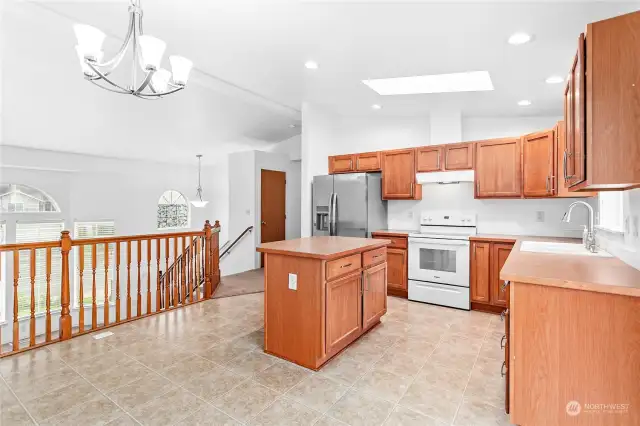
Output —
<point x="344" y="311"/>
<point x="374" y="295"/>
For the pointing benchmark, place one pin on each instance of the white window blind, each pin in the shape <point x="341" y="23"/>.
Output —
<point x="84" y="230"/>
<point x="37" y="232"/>
<point x="611" y="210"/>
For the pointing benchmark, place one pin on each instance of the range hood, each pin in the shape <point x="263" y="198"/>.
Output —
<point x="456" y="176"/>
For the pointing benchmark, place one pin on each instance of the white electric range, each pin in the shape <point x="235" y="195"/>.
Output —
<point x="439" y="259"/>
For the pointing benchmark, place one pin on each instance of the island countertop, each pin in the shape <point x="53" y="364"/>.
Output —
<point x="325" y="248"/>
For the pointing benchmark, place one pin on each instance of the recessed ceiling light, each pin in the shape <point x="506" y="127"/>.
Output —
<point x="438" y="83"/>
<point x="376" y="106"/>
<point x="524" y="103"/>
<point x="311" y="65"/>
<point x="519" y="38"/>
<point x="554" y="79"/>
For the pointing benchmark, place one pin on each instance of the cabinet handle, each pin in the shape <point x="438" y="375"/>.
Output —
<point x="504" y="285"/>
<point x="477" y="188"/>
<point x="358" y="164"/>
<point x="503" y="368"/>
<point x="438" y="163"/>
<point x="547" y="184"/>
<point x="474" y="250"/>
<point x="412" y="189"/>
<point x="502" y="341"/>
<point x="346" y="265"/>
<point x="351" y="164"/>
<point x="564" y="165"/>
<point x="503" y="314"/>
<point x="376" y="256"/>
<point x="553" y="184"/>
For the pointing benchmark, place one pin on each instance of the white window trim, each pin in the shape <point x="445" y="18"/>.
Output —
<point x="176" y="228"/>
<point x="611" y="210"/>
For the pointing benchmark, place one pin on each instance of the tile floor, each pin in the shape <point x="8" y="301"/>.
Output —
<point x="204" y="365"/>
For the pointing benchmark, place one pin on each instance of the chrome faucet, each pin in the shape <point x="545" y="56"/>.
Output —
<point x="589" y="236"/>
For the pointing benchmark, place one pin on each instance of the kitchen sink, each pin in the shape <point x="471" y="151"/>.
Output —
<point x="560" y="248"/>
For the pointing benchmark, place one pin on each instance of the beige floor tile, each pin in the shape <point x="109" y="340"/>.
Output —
<point x="454" y="356"/>
<point x="123" y="373"/>
<point x="208" y="416"/>
<point x="491" y="348"/>
<point x="282" y="376"/>
<point x="431" y="401"/>
<point x="188" y="368"/>
<point x="401" y="365"/>
<point x="141" y="391"/>
<point x="443" y="377"/>
<point x="94" y="366"/>
<point x="379" y="339"/>
<point x="163" y="359"/>
<point x="29" y="388"/>
<point x="99" y="411"/>
<point x="328" y="421"/>
<point x="489" y="388"/>
<point x="213" y="384"/>
<point x="364" y="352"/>
<point x="253" y="340"/>
<point x="124" y="420"/>
<point x="318" y="392"/>
<point x="76" y="392"/>
<point x="246" y="400"/>
<point x="285" y="412"/>
<point x="392" y="328"/>
<point x="430" y="332"/>
<point x="166" y="409"/>
<point x="199" y="342"/>
<point x="11" y="411"/>
<point x="413" y="347"/>
<point x="404" y="417"/>
<point x="383" y="384"/>
<point x="29" y="365"/>
<point x="475" y="412"/>
<point x="345" y="370"/>
<point x="361" y="409"/>
<point x="80" y="349"/>
<point x="252" y="363"/>
<point x="223" y="352"/>
<point x="490" y="366"/>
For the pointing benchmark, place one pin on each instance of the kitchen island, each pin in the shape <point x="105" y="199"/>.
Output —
<point x="321" y="294"/>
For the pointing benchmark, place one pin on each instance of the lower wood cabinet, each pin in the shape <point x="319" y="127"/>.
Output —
<point x="374" y="294"/>
<point x="487" y="258"/>
<point x="397" y="264"/>
<point x="344" y="311"/>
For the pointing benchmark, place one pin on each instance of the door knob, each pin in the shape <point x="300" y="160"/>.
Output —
<point x="264" y="223"/>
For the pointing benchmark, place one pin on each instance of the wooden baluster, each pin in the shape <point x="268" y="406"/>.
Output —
<point x="215" y="256"/>
<point x="197" y="259"/>
<point x="139" y="299"/>
<point x="167" y="273"/>
<point x="94" y="305"/>
<point x="128" y="279"/>
<point x="183" y="264"/>
<point x="176" y="277"/>
<point x="32" y="318"/>
<point x="158" y="290"/>
<point x="48" y="301"/>
<point x="192" y="269"/>
<point x="148" y="276"/>
<point x="16" y="277"/>
<point x="66" y="321"/>
<point x="106" y="284"/>
<point x="81" y="289"/>
<point x="117" y="281"/>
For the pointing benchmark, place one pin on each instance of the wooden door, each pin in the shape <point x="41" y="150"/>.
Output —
<point x="397" y="270"/>
<point x="538" y="164"/>
<point x="428" y="159"/>
<point x="577" y="145"/>
<point x="458" y="156"/>
<point x="498" y="168"/>
<point x="374" y="298"/>
<point x="499" y="254"/>
<point x="344" y="311"/>
<point x="341" y="164"/>
<point x="368" y="162"/>
<point x="273" y="210"/>
<point x="398" y="175"/>
<point x="480" y="272"/>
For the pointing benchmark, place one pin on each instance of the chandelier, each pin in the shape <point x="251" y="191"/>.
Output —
<point x="147" y="55"/>
<point x="199" y="202"/>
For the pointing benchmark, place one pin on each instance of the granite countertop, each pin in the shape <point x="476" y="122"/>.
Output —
<point x="326" y="248"/>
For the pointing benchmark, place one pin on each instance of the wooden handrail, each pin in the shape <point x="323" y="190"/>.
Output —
<point x="121" y="261"/>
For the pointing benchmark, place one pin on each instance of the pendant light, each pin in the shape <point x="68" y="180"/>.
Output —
<point x="199" y="202"/>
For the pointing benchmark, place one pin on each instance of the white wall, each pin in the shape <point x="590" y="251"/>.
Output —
<point x="626" y="246"/>
<point x="478" y="128"/>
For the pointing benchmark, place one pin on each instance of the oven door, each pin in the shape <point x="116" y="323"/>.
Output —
<point x="439" y="261"/>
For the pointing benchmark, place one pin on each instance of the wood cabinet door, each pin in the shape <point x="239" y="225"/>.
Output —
<point x="538" y="164"/>
<point x="507" y="330"/>
<point x="577" y="144"/>
<point x="480" y="272"/>
<point x="341" y="164"/>
<point x="499" y="254"/>
<point x="428" y="159"/>
<point x="344" y="311"/>
<point x="398" y="175"/>
<point x="498" y="168"/>
<point x="374" y="297"/>
<point x="458" y="156"/>
<point x="368" y="162"/>
<point x="397" y="269"/>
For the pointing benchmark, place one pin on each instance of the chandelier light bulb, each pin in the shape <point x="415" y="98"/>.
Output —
<point x="181" y="68"/>
<point x="90" y="40"/>
<point x="86" y="69"/>
<point x="152" y="51"/>
<point x="160" y="80"/>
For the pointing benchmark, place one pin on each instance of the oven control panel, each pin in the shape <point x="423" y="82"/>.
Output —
<point x="446" y="219"/>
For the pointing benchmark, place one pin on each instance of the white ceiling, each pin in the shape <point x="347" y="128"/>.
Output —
<point x="251" y="53"/>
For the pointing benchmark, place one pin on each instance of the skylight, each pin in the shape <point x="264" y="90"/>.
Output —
<point x="474" y="81"/>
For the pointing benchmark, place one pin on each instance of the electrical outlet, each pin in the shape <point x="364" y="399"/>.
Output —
<point x="293" y="282"/>
<point x="539" y="216"/>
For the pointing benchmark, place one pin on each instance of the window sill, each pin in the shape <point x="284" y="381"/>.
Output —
<point x="609" y="230"/>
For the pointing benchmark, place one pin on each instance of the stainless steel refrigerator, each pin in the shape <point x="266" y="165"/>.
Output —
<point x="349" y="205"/>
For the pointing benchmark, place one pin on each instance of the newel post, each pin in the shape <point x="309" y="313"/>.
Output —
<point x="215" y="256"/>
<point x="65" y="296"/>
<point x="208" y="264"/>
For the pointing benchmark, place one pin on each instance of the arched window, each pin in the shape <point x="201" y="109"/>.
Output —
<point x="25" y="199"/>
<point x="173" y="211"/>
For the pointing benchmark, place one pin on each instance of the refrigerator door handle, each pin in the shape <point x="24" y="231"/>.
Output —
<point x="331" y="230"/>
<point x="334" y="207"/>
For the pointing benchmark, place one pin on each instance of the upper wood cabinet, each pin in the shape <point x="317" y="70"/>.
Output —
<point x="341" y="164"/>
<point x="538" y="164"/>
<point x="368" y="162"/>
<point x="561" y="190"/>
<point x="428" y="159"/>
<point x="602" y="109"/>
<point x="399" y="175"/>
<point x="498" y="168"/>
<point x="480" y="272"/>
<point x="458" y="156"/>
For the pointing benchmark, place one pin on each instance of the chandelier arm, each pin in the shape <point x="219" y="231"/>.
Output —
<point x="115" y="61"/>
<point x="155" y="95"/>
<point x="95" y="81"/>
<point x="145" y="83"/>
<point x="104" y="77"/>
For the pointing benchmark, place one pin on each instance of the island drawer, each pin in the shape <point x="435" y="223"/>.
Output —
<point x="373" y="257"/>
<point x="343" y="266"/>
